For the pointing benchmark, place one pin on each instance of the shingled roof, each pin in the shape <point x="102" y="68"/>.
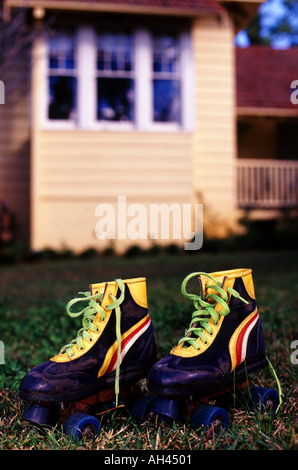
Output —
<point x="264" y="77"/>
<point x="170" y="7"/>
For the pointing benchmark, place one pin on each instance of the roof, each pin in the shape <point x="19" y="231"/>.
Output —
<point x="264" y="77"/>
<point x="162" y="7"/>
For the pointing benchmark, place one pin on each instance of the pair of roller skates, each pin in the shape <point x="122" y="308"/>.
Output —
<point x="98" y="371"/>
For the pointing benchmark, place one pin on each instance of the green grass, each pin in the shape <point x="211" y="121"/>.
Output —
<point x="34" y="326"/>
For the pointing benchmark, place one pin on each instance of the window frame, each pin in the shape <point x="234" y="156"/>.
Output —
<point x="45" y="73"/>
<point x="65" y="73"/>
<point x="164" y="75"/>
<point x="117" y="74"/>
<point x="86" y="75"/>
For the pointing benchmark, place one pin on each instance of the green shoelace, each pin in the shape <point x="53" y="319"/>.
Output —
<point x="205" y="310"/>
<point x="89" y="313"/>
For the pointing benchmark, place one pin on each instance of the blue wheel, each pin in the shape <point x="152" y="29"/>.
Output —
<point x="206" y="416"/>
<point x="263" y="399"/>
<point x="140" y="409"/>
<point x="80" y="425"/>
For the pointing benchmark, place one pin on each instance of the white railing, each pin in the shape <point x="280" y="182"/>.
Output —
<point x="267" y="183"/>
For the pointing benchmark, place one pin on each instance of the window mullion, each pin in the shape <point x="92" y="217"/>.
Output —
<point x="143" y="75"/>
<point x="187" y="83"/>
<point x="86" y="60"/>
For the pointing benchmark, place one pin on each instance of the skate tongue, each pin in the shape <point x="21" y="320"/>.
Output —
<point x="106" y="289"/>
<point x="204" y="282"/>
<point x="97" y="288"/>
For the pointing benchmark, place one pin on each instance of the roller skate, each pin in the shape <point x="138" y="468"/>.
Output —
<point x="222" y="347"/>
<point x="99" y="369"/>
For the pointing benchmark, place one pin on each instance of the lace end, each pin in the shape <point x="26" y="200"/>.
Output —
<point x="277" y="382"/>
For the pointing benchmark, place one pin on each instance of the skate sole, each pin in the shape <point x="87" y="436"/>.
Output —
<point x="131" y="375"/>
<point x="222" y="385"/>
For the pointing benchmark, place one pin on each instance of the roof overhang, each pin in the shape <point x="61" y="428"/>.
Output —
<point x="241" y="11"/>
<point x="118" y="7"/>
<point x="267" y="112"/>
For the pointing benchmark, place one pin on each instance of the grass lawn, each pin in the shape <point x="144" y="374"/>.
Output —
<point x="34" y="326"/>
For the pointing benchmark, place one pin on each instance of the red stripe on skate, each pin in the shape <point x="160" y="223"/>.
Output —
<point x="128" y="341"/>
<point x="241" y="345"/>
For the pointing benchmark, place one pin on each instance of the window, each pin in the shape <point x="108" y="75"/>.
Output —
<point x="115" y="82"/>
<point x="62" y="77"/>
<point x="286" y="139"/>
<point x="119" y="79"/>
<point x="166" y="79"/>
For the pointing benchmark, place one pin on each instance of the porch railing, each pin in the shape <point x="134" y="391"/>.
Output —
<point x="267" y="184"/>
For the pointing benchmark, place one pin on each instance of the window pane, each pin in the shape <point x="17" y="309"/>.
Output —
<point x="62" y="97"/>
<point x="114" y="52"/>
<point x="166" y="96"/>
<point x="166" y="79"/>
<point x="165" y="54"/>
<point x="61" y="52"/>
<point x="115" y="99"/>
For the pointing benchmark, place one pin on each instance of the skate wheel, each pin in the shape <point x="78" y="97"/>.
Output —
<point x="166" y="409"/>
<point x="37" y="414"/>
<point x="140" y="409"/>
<point x="263" y="399"/>
<point x="80" y="425"/>
<point x="207" y="416"/>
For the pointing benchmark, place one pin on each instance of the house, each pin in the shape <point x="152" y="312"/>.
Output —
<point x="267" y="111"/>
<point x="137" y="99"/>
